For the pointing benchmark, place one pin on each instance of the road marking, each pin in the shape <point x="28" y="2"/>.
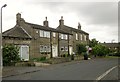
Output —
<point x="104" y="74"/>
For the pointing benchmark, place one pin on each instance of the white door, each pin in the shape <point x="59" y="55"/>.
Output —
<point x="24" y="52"/>
<point x="54" y="51"/>
<point x="70" y="50"/>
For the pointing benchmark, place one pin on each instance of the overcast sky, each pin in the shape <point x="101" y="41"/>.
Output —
<point x="99" y="19"/>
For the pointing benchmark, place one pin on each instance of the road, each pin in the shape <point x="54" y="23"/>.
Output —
<point x="100" y="68"/>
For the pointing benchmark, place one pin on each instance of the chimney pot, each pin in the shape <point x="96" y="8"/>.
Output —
<point x="79" y="26"/>
<point x="18" y="18"/>
<point x="61" y="21"/>
<point x="45" y="23"/>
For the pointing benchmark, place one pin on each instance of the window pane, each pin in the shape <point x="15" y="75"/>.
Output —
<point x="41" y="33"/>
<point x="66" y="37"/>
<point x="62" y="48"/>
<point x="45" y="48"/>
<point x="66" y="48"/>
<point x="54" y="34"/>
<point x="48" y="49"/>
<point x="41" y="48"/>
<point x="45" y="35"/>
<point x="76" y="36"/>
<point x="62" y="36"/>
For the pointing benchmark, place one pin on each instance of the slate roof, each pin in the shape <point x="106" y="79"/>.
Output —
<point x="111" y="44"/>
<point x="36" y="26"/>
<point x="74" y="29"/>
<point x="16" y="32"/>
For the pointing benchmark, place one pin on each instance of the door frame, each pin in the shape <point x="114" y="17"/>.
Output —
<point x="21" y="54"/>
<point x="56" y="50"/>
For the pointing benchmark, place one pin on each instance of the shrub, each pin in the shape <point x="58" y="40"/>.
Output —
<point x="81" y="48"/>
<point x="100" y="50"/>
<point x="10" y="54"/>
<point x="43" y="58"/>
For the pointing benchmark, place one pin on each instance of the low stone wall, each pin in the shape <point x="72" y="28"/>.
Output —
<point x="59" y="60"/>
<point x="77" y="57"/>
<point x="41" y="64"/>
<point x="25" y="64"/>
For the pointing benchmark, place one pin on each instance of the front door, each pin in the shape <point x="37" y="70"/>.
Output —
<point x="24" y="52"/>
<point x="54" y="51"/>
<point x="70" y="50"/>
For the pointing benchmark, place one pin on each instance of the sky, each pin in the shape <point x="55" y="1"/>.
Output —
<point x="98" y="18"/>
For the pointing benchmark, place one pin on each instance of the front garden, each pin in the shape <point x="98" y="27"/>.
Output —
<point x="11" y="57"/>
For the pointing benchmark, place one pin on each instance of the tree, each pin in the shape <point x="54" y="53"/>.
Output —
<point x="10" y="54"/>
<point x="93" y="42"/>
<point x="100" y="50"/>
<point x="81" y="48"/>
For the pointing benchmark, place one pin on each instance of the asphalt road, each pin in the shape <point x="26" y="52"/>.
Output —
<point x="102" y="69"/>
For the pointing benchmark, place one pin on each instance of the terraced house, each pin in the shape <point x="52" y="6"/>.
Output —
<point x="41" y="40"/>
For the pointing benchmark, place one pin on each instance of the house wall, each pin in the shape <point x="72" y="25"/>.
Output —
<point x="73" y="40"/>
<point x="17" y="41"/>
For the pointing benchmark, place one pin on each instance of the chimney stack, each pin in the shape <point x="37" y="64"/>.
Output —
<point x="61" y="21"/>
<point x="45" y="23"/>
<point x="79" y="26"/>
<point x="18" y="18"/>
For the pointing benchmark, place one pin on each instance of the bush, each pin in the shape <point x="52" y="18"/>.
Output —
<point x="81" y="48"/>
<point x="100" y="50"/>
<point x="39" y="59"/>
<point x="10" y="54"/>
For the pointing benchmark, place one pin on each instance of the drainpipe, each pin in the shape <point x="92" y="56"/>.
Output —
<point x="51" y="44"/>
<point x="58" y="46"/>
<point x="68" y="45"/>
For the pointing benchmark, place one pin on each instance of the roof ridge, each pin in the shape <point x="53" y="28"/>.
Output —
<point x="26" y="32"/>
<point x="76" y="29"/>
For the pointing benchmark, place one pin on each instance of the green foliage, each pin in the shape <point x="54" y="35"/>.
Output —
<point x="43" y="58"/>
<point x="93" y="42"/>
<point x="10" y="54"/>
<point x="100" y="50"/>
<point x="81" y="48"/>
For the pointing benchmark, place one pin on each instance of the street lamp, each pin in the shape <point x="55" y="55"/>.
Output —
<point x="1" y="63"/>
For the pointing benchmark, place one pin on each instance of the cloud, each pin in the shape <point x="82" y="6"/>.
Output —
<point x="99" y="19"/>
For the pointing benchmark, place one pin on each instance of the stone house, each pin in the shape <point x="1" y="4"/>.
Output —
<point x="78" y="36"/>
<point x="36" y="40"/>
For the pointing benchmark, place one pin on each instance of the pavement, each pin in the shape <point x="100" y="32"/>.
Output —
<point x="12" y="71"/>
<point x="8" y="71"/>
<point x="58" y="71"/>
